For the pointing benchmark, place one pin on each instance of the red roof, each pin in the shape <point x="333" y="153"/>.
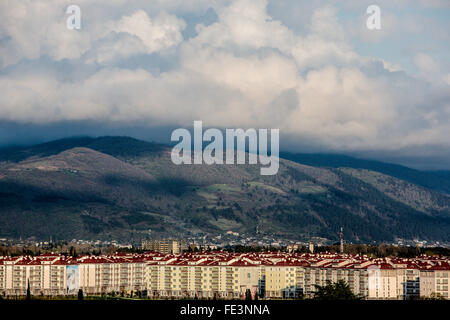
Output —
<point x="222" y="258"/>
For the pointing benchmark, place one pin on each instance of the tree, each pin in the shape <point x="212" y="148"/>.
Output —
<point x="300" y="296"/>
<point x="80" y="294"/>
<point x="335" y="291"/>
<point x="248" y="295"/>
<point x="433" y="296"/>
<point x="28" y="291"/>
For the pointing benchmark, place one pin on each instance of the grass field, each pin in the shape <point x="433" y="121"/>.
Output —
<point x="266" y="187"/>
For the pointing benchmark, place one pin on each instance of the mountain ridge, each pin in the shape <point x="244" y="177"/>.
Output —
<point x="120" y="187"/>
<point x="435" y="180"/>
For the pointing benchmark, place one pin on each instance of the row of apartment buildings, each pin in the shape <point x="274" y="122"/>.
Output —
<point x="224" y="275"/>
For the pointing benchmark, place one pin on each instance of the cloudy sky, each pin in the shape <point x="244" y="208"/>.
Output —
<point x="310" y="68"/>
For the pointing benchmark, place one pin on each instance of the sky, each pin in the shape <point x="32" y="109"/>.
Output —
<point x="309" y="68"/>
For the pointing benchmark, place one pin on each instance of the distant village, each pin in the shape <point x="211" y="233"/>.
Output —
<point x="229" y="240"/>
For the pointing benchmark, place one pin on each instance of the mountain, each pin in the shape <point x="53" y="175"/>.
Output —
<point x="120" y="187"/>
<point x="435" y="180"/>
<point x="114" y="146"/>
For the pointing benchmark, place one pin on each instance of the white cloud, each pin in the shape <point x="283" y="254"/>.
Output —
<point x="161" y="34"/>
<point x="245" y="24"/>
<point x="429" y="69"/>
<point x="447" y="78"/>
<point x="136" y="34"/>
<point x="33" y="29"/>
<point x="246" y="70"/>
<point x="425" y="63"/>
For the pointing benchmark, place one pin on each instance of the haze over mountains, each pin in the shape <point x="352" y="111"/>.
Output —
<point x="120" y="187"/>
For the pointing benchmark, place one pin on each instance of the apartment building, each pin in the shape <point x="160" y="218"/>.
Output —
<point x="165" y="246"/>
<point x="202" y="275"/>
<point x="46" y="276"/>
<point x="224" y="275"/>
<point x="99" y="275"/>
<point x="434" y="280"/>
